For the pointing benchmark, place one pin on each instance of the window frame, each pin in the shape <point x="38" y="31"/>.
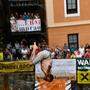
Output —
<point x="73" y="43"/>
<point x="71" y="11"/>
<point x="72" y="14"/>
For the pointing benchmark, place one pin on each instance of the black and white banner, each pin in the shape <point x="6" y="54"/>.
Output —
<point x="25" y="25"/>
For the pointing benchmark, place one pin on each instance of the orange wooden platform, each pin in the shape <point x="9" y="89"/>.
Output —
<point x="56" y="84"/>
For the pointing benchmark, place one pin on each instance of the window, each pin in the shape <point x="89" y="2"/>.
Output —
<point x="71" y="8"/>
<point x="73" y="40"/>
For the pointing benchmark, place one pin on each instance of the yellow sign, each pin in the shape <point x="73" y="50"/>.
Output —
<point x="1" y="56"/>
<point x="16" y="66"/>
<point x="83" y="77"/>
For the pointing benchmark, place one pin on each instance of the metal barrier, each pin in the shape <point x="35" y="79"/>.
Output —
<point x="17" y="75"/>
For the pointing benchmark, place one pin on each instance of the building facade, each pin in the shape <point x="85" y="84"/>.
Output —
<point x="68" y="21"/>
<point x="18" y="8"/>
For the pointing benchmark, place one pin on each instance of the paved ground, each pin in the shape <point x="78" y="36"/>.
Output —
<point x="57" y="84"/>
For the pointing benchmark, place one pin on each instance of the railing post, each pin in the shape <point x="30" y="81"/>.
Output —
<point x="5" y="82"/>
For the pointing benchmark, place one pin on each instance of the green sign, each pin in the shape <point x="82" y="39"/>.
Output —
<point x="83" y="71"/>
<point x="1" y="56"/>
<point x="83" y="77"/>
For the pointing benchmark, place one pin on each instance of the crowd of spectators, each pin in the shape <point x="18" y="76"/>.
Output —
<point x="25" y="22"/>
<point x="24" y="16"/>
<point x="72" y="53"/>
<point x="22" y="51"/>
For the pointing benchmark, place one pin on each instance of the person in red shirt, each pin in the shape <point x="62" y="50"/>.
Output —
<point x="87" y="54"/>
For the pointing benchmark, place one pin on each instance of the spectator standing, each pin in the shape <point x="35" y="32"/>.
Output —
<point x="36" y="16"/>
<point x="64" y="53"/>
<point x="82" y="50"/>
<point x="86" y="47"/>
<point x="17" y="45"/>
<point x="73" y="56"/>
<point x="65" y="47"/>
<point x="25" y="51"/>
<point x="20" y="17"/>
<point x="9" y="46"/>
<point x="7" y="54"/>
<point x="57" y="52"/>
<point x="78" y="54"/>
<point x="16" y="15"/>
<point x="72" y="49"/>
<point x="13" y="23"/>
<point x="68" y="54"/>
<point x="12" y="17"/>
<point x="25" y="16"/>
<point x="18" y="51"/>
<point x="87" y="54"/>
<point x="32" y="16"/>
<point x="14" y="57"/>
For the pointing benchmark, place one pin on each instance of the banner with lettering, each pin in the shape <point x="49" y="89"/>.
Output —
<point x="26" y="25"/>
<point x="21" y="26"/>
<point x="33" y="25"/>
<point x="83" y="71"/>
<point x="16" y="66"/>
<point x="60" y="68"/>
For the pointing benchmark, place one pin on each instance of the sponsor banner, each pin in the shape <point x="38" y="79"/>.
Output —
<point x="83" y="64"/>
<point x="33" y="25"/>
<point x="83" y="77"/>
<point x="25" y="25"/>
<point x="60" y="68"/>
<point x="83" y="71"/>
<point x="16" y="66"/>
<point x="21" y="26"/>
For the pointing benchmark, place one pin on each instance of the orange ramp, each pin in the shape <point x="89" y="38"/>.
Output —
<point x="56" y="84"/>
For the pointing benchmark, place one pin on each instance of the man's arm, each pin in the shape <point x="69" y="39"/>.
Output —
<point x="33" y="54"/>
<point x="38" y="58"/>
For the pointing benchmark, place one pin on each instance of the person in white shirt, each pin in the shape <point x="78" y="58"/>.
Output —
<point x="82" y="50"/>
<point x="13" y="23"/>
<point x="25" y="51"/>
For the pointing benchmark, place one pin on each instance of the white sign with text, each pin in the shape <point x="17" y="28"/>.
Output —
<point x="60" y="68"/>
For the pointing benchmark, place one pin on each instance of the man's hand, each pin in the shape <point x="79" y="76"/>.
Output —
<point x="30" y="62"/>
